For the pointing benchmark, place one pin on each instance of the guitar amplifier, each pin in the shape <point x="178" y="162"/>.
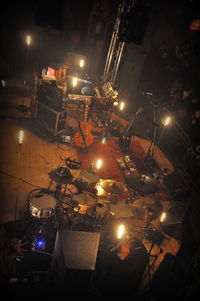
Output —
<point x="52" y="120"/>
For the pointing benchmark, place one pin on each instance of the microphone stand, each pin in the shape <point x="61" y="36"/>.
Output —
<point x="150" y="154"/>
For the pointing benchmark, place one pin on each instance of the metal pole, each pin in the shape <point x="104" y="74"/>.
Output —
<point x="17" y="181"/>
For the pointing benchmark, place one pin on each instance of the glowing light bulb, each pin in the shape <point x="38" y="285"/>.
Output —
<point x="163" y="217"/>
<point x="74" y="81"/>
<point x="120" y="232"/>
<point x="121" y="107"/>
<point x="82" y="63"/>
<point x="21" y="137"/>
<point x="99" y="163"/>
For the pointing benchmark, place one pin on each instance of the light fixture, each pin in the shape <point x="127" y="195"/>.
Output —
<point x="28" y="40"/>
<point x="74" y="81"/>
<point x="120" y="231"/>
<point x="121" y="106"/>
<point x="166" y="120"/>
<point x="21" y="137"/>
<point x="82" y="63"/>
<point x="99" y="163"/>
<point x="163" y="217"/>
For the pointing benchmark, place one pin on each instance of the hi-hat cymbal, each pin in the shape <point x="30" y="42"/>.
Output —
<point x="112" y="186"/>
<point x="61" y="175"/>
<point x="141" y="183"/>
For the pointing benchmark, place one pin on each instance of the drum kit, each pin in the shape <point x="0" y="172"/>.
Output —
<point x="94" y="197"/>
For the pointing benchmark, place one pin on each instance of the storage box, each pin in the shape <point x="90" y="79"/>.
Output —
<point x="52" y="120"/>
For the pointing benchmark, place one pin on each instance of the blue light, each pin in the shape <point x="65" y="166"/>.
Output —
<point x="40" y="244"/>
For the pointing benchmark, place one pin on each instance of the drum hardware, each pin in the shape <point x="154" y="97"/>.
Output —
<point x="141" y="183"/>
<point x="61" y="176"/>
<point x="86" y="202"/>
<point x="72" y="164"/>
<point x="121" y="210"/>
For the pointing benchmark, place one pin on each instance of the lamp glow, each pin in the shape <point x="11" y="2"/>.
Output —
<point x="82" y="63"/>
<point x="28" y="40"/>
<point x="121" y="107"/>
<point x="99" y="163"/>
<point x="167" y="120"/>
<point x="21" y="137"/>
<point x="120" y="232"/>
<point x="163" y="217"/>
<point x="74" y="81"/>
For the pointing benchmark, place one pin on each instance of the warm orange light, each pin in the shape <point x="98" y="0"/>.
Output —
<point x="120" y="231"/>
<point x="163" y="217"/>
<point x="121" y="107"/>
<point x="21" y="137"/>
<point x="99" y="163"/>
<point x="28" y="40"/>
<point x="82" y="63"/>
<point x="74" y="81"/>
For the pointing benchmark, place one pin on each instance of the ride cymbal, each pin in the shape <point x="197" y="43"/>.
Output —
<point x="141" y="183"/>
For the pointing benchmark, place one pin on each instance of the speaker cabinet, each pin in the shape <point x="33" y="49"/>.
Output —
<point x="52" y="120"/>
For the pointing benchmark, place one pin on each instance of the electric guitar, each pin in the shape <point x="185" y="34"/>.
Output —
<point x="125" y="137"/>
<point x="84" y="138"/>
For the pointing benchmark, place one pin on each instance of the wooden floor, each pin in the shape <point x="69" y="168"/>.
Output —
<point x="38" y="157"/>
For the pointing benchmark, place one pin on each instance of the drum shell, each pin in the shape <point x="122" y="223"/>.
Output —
<point x="42" y="205"/>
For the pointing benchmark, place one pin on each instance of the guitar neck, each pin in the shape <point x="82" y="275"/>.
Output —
<point x="85" y="116"/>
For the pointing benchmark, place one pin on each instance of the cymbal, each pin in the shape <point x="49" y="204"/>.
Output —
<point x="112" y="186"/>
<point x="141" y="183"/>
<point x="149" y="202"/>
<point x="89" y="175"/>
<point x="61" y="175"/>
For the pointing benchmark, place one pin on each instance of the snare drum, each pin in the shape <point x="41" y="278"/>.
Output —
<point x="42" y="205"/>
<point x="121" y="210"/>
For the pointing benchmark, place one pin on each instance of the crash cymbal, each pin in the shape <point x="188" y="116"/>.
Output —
<point x="61" y="175"/>
<point x="112" y="186"/>
<point x="141" y="183"/>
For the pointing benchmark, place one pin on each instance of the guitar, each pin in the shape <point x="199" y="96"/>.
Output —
<point x="125" y="138"/>
<point x="84" y="138"/>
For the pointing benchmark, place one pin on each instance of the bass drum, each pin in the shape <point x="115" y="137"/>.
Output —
<point x="41" y="204"/>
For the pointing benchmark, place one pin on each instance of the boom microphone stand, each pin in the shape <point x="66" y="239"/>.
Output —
<point x="150" y="154"/>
